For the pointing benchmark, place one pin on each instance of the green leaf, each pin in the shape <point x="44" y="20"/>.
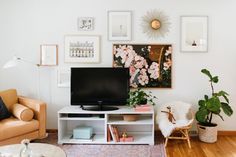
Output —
<point x="206" y="97"/>
<point x="227" y="109"/>
<point x="201" y="115"/>
<point x="201" y="103"/>
<point x="224" y="94"/>
<point x="205" y="71"/>
<point x="213" y="104"/>
<point x="215" y="79"/>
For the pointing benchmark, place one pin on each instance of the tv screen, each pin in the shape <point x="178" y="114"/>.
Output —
<point x="105" y="86"/>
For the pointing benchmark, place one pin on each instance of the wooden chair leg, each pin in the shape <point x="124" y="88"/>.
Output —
<point x="166" y="141"/>
<point x="188" y="139"/>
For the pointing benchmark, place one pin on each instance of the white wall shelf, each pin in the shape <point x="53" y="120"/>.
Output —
<point x="142" y="129"/>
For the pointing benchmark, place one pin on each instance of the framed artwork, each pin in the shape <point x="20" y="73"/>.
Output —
<point x="85" y="23"/>
<point x="194" y="34"/>
<point x="48" y="55"/>
<point x="63" y="78"/>
<point x="82" y="49"/>
<point x="149" y="64"/>
<point x="119" y="25"/>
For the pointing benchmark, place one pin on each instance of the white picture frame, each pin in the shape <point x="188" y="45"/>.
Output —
<point x="119" y="25"/>
<point x="63" y="78"/>
<point x="194" y="34"/>
<point x="85" y="23"/>
<point x="82" y="49"/>
<point x="48" y="55"/>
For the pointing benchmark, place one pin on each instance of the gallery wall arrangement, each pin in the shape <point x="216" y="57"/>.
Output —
<point x="150" y="63"/>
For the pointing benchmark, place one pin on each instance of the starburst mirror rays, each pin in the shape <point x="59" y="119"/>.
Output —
<point x="155" y="24"/>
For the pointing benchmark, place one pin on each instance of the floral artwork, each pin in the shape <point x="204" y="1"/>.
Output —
<point x="150" y="65"/>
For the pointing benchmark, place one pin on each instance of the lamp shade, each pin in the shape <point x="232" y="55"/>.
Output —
<point x="11" y="63"/>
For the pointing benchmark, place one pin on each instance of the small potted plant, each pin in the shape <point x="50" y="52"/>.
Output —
<point x="137" y="98"/>
<point x="209" y="106"/>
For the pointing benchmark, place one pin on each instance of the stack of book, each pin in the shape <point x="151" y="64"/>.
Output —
<point x="113" y="134"/>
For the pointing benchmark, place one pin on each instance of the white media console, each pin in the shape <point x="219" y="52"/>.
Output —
<point x="142" y="129"/>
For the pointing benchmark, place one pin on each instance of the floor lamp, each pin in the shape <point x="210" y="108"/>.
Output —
<point x="14" y="61"/>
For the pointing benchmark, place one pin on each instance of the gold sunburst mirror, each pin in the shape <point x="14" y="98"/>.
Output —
<point x="155" y="24"/>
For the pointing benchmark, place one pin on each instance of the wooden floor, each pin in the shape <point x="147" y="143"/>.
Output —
<point x="224" y="147"/>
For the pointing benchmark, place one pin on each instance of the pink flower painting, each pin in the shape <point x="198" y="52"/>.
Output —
<point x="150" y="65"/>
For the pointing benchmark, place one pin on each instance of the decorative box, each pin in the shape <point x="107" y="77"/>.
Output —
<point x="127" y="139"/>
<point x="143" y="108"/>
<point x="83" y="132"/>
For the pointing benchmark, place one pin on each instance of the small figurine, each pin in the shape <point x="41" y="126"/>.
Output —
<point x="171" y="117"/>
<point x="124" y="134"/>
<point x="194" y="43"/>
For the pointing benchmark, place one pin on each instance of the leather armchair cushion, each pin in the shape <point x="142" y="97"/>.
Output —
<point x="12" y="127"/>
<point x="22" y="112"/>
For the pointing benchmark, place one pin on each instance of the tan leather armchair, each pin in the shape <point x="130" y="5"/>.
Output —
<point x="13" y="130"/>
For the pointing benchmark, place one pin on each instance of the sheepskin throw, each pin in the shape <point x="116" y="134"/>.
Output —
<point x="180" y="111"/>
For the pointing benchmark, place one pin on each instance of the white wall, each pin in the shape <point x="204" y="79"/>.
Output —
<point x="25" y="24"/>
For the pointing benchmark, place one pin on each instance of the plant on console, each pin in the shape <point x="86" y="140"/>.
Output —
<point x="140" y="97"/>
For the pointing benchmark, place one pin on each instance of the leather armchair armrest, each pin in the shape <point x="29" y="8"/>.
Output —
<point x="39" y="109"/>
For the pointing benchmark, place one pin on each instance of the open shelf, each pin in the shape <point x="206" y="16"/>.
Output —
<point x="98" y="138"/>
<point x="87" y="118"/>
<point x="119" y="121"/>
<point x="138" y="139"/>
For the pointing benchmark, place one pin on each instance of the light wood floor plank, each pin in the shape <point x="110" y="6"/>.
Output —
<point x="224" y="147"/>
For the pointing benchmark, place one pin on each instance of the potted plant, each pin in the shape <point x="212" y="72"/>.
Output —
<point x="138" y="97"/>
<point x="209" y="106"/>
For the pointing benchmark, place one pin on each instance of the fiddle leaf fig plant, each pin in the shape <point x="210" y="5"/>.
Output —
<point x="213" y="104"/>
<point x="139" y="97"/>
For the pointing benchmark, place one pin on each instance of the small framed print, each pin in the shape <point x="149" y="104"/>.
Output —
<point x="48" y="55"/>
<point x="82" y="49"/>
<point x="194" y="34"/>
<point x="119" y="25"/>
<point x="85" y="23"/>
<point x="63" y="78"/>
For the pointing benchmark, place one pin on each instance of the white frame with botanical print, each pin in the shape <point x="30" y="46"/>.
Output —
<point x="82" y="49"/>
<point x="194" y="34"/>
<point x="119" y="25"/>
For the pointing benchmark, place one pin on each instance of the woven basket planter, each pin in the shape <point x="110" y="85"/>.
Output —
<point x="207" y="134"/>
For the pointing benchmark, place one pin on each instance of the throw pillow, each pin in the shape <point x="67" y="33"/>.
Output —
<point x="22" y="112"/>
<point x="4" y="113"/>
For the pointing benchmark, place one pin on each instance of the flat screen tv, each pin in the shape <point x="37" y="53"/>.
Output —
<point x="99" y="88"/>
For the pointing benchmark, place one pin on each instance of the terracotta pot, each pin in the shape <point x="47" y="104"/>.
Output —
<point x="130" y="117"/>
<point x="207" y="134"/>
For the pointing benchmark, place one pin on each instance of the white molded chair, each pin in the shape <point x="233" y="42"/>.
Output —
<point x="184" y="118"/>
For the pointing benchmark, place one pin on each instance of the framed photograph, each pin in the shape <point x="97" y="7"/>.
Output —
<point x="48" y="55"/>
<point x="63" y="78"/>
<point x="150" y="65"/>
<point x="82" y="49"/>
<point x="194" y="33"/>
<point x="85" y="23"/>
<point x="119" y="25"/>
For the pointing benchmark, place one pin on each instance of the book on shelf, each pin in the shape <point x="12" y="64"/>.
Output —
<point x="108" y="135"/>
<point x="114" y="133"/>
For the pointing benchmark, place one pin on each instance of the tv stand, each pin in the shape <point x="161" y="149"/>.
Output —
<point x="72" y="116"/>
